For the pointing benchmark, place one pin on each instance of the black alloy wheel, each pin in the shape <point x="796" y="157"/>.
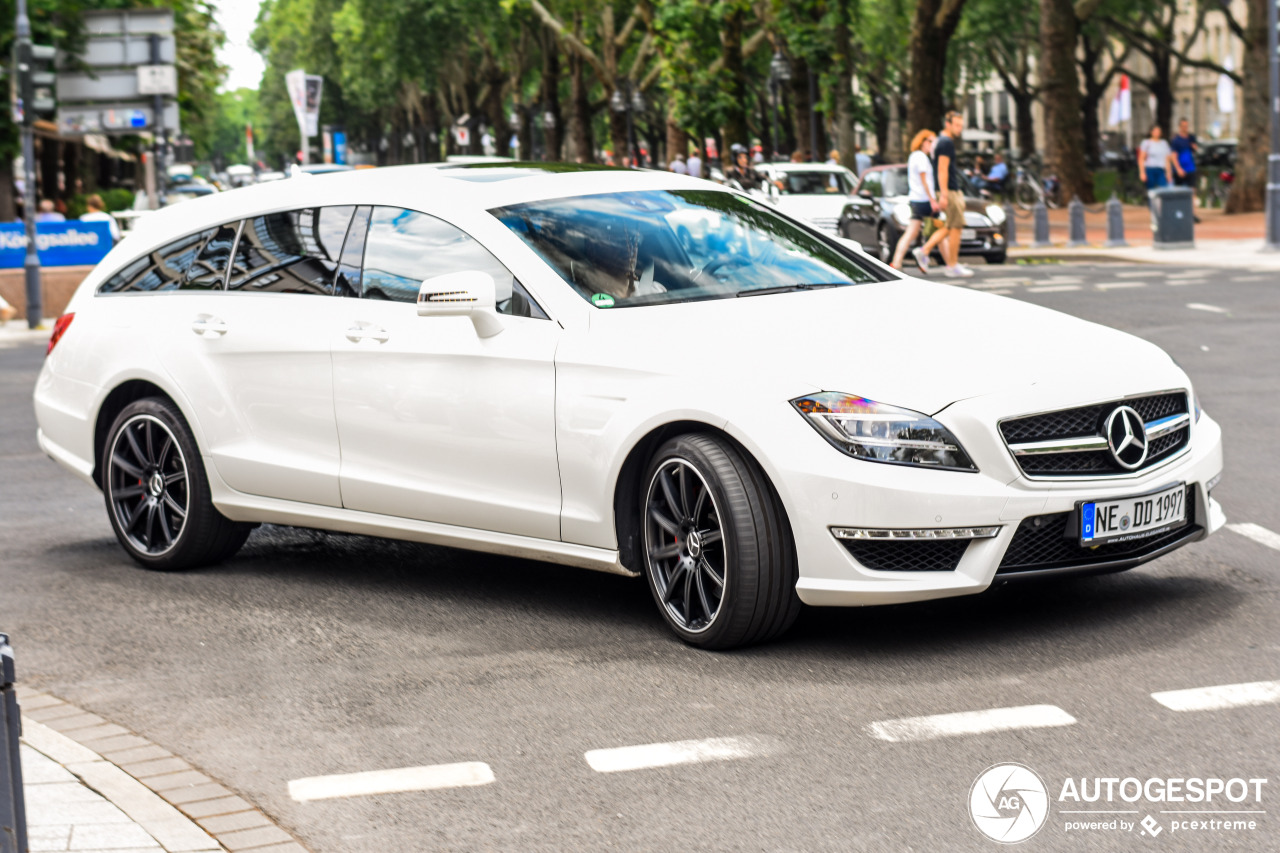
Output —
<point x="157" y="493"/>
<point x="685" y="543"/>
<point x="148" y="485"/>
<point x="719" y="555"/>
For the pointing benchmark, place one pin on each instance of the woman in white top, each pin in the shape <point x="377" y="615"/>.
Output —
<point x="97" y="213"/>
<point x="1153" y="160"/>
<point x="922" y="195"/>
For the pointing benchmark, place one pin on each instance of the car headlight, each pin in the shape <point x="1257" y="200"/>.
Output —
<point x="996" y="214"/>
<point x="902" y="214"/>
<point x="873" y="431"/>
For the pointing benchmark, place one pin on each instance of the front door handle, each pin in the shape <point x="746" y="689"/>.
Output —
<point x="356" y="334"/>
<point x="208" y="326"/>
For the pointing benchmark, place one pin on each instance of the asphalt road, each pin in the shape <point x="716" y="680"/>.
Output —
<point x="313" y="654"/>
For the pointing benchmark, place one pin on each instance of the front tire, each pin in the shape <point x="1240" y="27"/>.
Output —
<point x="887" y="241"/>
<point x="157" y="493"/>
<point x="719" y="555"/>
<point x="996" y="258"/>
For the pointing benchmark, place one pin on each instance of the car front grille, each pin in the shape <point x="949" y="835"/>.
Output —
<point x="1080" y="432"/>
<point x="909" y="556"/>
<point x="1046" y="542"/>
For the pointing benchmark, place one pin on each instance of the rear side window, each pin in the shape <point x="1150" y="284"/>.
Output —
<point x="209" y="270"/>
<point x="405" y="247"/>
<point x="347" y="282"/>
<point x="164" y="268"/>
<point x="295" y="251"/>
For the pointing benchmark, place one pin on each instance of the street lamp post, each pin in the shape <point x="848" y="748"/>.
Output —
<point x="779" y="73"/>
<point x="1273" y="160"/>
<point x="30" y="198"/>
<point x="628" y="103"/>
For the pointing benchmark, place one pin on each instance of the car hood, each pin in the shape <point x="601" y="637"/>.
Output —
<point x="907" y="343"/>
<point x="813" y="206"/>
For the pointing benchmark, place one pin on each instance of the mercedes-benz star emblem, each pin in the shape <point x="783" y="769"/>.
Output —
<point x="1127" y="437"/>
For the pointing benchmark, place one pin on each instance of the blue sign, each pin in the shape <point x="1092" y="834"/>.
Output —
<point x="59" y="244"/>
<point x="339" y="147"/>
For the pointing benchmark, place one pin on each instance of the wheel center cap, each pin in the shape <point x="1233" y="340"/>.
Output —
<point x="694" y="543"/>
<point x="155" y="484"/>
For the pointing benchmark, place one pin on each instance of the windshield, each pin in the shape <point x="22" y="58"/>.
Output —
<point x="661" y="246"/>
<point x="799" y="182"/>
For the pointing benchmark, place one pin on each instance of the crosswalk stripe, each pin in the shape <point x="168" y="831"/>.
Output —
<point x="1120" y="285"/>
<point x="1052" y="288"/>
<point x="971" y="722"/>
<point x="649" y="755"/>
<point x="428" y="778"/>
<point x="1222" y="696"/>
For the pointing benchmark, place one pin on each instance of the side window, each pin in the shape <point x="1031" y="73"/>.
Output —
<point x="209" y="270"/>
<point x="347" y="282"/>
<point x="293" y="251"/>
<point x="404" y="247"/>
<point x="872" y="185"/>
<point x="164" y="268"/>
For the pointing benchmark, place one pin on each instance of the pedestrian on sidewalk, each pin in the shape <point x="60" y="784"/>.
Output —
<point x="97" y="213"/>
<point x="1185" y="149"/>
<point x="946" y="177"/>
<point x="48" y="212"/>
<point x="921" y="196"/>
<point x="693" y="165"/>
<point x="678" y="165"/>
<point x="7" y="311"/>
<point x="1154" y="155"/>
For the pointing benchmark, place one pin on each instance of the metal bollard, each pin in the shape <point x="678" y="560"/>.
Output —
<point x="1041" y="226"/>
<point x="1115" y="222"/>
<point x="1075" y="223"/>
<point x="13" y="816"/>
<point x="1010" y="225"/>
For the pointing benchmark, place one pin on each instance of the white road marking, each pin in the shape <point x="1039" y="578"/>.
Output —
<point x="1063" y="279"/>
<point x="363" y="784"/>
<point x="1189" y="274"/>
<point x="1252" y="278"/>
<point x="1142" y="274"/>
<point x="1257" y="533"/>
<point x="1000" y="281"/>
<point x="1000" y="292"/>
<point x="1213" y="309"/>
<point x="678" y="752"/>
<point x="971" y="722"/>
<point x="1052" y="288"/>
<point x="1119" y="285"/>
<point x="1181" y="282"/>
<point x="1223" y="696"/>
<point x="992" y="285"/>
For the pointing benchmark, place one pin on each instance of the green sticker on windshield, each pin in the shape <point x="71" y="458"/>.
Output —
<point x="602" y="300"/>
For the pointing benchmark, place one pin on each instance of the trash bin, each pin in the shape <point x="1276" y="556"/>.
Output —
<point x="13" y="820"/>
<point x="1172" y="219"/>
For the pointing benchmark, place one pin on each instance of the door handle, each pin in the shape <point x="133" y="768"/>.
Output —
<point x="206" y="326"/>
<point x="356" y="334"/>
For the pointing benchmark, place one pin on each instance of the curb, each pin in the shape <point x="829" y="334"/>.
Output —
<point x="184" y="810"/>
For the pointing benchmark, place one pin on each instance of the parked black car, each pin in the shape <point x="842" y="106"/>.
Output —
<point x="878" y="213"/>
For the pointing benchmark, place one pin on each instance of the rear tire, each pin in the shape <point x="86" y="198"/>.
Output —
<point x="996" y="258"/>
<point x="157" y="493"/>
<point x="718" y="551"/>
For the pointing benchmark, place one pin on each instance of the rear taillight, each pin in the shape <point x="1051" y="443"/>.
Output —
<point x="59" y="329"/>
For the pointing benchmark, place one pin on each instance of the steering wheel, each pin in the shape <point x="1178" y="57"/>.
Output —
<point x="714" y="266"/>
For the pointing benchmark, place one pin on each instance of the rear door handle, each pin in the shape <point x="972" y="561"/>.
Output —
<point x="206" y="326"/>
<point x="356" y="334"/>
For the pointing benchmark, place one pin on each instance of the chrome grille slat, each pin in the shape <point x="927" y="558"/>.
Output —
<point x="1071" y="443"/>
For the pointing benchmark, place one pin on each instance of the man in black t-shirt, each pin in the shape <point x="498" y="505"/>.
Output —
<point x="946" y="178"/>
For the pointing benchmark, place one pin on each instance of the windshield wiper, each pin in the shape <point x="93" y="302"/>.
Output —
<point x="786" y="288"/>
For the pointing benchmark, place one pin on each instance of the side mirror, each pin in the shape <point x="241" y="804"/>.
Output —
<point x="462" y="294"/>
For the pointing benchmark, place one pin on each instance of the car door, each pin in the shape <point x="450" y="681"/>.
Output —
<point x="435" y="422"/>
<point x="257" y="357"/>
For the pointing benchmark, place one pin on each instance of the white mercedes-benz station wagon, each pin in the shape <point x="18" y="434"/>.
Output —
<point x="526" y="360"/>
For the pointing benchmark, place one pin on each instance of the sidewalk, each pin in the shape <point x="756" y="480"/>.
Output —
<point x="1234" y="241"/>
<point x="94" y="787"/>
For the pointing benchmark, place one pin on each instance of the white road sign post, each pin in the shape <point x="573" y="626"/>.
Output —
<point x="304" y="93"/>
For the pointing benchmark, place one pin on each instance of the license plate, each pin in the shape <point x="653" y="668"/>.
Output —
<point x="1133" y="518"/>
<point x="968" y="234"/>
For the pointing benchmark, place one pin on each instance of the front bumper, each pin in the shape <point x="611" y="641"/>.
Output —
<point x="852" y="493"/>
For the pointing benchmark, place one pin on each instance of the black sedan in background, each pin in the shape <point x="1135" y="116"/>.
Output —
<point x="878" y="213"/>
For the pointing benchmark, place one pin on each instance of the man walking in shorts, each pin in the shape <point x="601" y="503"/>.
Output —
<point x="950" y="199"/>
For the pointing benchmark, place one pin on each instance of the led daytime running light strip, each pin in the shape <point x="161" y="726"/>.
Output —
<point x="882" y="534"/>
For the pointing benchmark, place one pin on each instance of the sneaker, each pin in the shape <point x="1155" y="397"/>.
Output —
<point x="965" y="271"/>
<point x="922" y="260"/>
<point x="958" y="272"/>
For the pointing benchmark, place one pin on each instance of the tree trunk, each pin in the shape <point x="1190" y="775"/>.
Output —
<point x="8" y="207"/>
<point x="801" y="109"/>
<point x="1025" y="127"/>
<point x="578" y="145"/>
<point x="1248" y="190"/>
<point x="677" y="139"/>
<point x="551" y="98"/>
<point x="734" y="81"/>
<point x="431" y="112"/>
<point x="930" y="37"/>
<point x="1060" y="94"/>
<point x="843" y="59"/>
